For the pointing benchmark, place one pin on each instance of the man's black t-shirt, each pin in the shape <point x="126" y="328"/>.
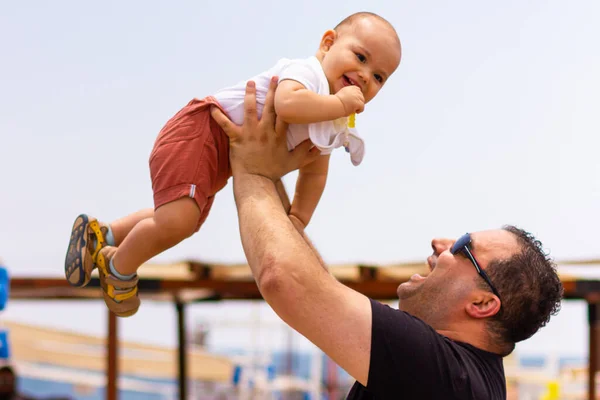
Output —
<point x="410" y="360"/>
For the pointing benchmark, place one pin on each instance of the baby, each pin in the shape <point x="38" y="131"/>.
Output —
<point x="189" y="163"/>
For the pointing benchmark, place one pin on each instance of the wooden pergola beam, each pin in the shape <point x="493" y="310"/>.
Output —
<point x="194" y="281"/>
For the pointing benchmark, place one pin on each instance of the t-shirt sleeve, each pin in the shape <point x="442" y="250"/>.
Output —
<point x="408" y="356"/>
<point x="301" y="72"/>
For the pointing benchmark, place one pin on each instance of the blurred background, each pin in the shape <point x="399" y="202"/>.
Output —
<point x="491" y="119"/>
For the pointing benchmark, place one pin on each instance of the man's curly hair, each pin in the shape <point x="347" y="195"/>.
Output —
<point x="530" y="289"/>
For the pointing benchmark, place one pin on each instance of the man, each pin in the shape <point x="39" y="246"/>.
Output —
<point x="485" y="292"/>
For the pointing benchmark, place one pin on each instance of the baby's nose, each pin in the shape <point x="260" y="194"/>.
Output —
<point x="363" y="77"/>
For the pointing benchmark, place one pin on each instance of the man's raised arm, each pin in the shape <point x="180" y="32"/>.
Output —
<point x="288" y="273"/>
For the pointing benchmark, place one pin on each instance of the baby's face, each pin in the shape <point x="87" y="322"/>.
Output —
<point x="364" y="54"/>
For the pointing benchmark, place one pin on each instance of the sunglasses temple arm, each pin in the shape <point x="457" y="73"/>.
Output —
<point x="475" y="263"/>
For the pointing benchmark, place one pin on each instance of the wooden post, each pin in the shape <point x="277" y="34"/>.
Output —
<point x="112" y="355"/>
<point x="594" y="321"/>
<point x="182" y="350"/>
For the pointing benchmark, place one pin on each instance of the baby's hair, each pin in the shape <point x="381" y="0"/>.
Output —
<point x="349" y="21"/>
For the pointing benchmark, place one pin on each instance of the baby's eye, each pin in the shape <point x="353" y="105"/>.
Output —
<point x="361" y="58"/>
<point x="379" y="78"/>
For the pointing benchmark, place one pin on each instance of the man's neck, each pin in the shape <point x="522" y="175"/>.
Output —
<point x="474" y="335"/>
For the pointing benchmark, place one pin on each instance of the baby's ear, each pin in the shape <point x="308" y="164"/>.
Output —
<point x="327" y="40"/>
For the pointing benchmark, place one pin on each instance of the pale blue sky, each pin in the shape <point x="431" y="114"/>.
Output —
<point x="491" y="118"/>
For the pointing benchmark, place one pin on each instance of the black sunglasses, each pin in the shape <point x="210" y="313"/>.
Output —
<point x="462" y="245"/>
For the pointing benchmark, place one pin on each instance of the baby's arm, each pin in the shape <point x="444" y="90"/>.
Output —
<point x="296" y="222"/>
<point x="283" y="196"/>
<point x="297" y="105"/>
<point x="309" y="188"/>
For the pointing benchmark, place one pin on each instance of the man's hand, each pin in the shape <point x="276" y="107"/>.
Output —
<point x="260" y="146"/>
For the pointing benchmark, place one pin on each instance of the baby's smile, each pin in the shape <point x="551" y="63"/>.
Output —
<point x="349" y="81"/>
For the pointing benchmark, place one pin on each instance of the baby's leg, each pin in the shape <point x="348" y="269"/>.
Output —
<point x="122" y="226"/>
<point x="88" y="236"/>
<point x="188" y="165"/>
<point x="169" y="225"/>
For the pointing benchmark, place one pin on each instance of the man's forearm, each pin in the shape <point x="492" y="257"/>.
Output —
<point x="283" y="196"/>
<point x="314" y="250"/>
<point x="268" y="236"/>
<point x="285" y="200"/>
<point x="300" y="228"/>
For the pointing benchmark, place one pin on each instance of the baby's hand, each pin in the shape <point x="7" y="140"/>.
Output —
<point x="352" y="98"/>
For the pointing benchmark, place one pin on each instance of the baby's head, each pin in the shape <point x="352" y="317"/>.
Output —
<point x="363" y="50"/>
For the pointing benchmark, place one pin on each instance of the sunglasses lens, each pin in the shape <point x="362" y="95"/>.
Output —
<point x="460" y="243"/>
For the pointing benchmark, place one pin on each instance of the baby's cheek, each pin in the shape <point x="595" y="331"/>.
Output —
<point x="371" y="95"/>
<point x="332" y="88"/>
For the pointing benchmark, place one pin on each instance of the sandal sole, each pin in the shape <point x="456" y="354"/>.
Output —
<point x="78" y="255"/>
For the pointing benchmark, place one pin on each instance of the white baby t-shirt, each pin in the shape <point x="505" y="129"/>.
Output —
<point x="326" y="135"/>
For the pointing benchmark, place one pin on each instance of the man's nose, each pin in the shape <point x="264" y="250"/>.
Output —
<point x="439" y="245"/>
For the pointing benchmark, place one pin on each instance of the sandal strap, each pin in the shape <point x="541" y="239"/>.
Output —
<point x="110" y="290"/>
<point x="100" y="241"/>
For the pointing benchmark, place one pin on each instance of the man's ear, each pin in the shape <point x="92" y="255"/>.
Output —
<point x="484" y="305"/>
<point x="327" y="40"/>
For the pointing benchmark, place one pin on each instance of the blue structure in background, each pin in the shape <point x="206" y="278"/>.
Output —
<point x="4" y="294"/>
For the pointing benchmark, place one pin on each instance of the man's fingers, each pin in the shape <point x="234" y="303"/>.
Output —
<point x="250" y="113"/>
<point x="305" y="146"/>
<point x="228" y="127"/>
<point x="281" y="128"/>
<point x="268" y="114"/>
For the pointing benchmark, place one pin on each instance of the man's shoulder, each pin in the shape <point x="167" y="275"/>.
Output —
<point x="484" y="371"/>
<point x="359" y="392"/>
<point x="456" y="367"/>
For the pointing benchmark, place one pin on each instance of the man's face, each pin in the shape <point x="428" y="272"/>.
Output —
<point x="442" y="295"/>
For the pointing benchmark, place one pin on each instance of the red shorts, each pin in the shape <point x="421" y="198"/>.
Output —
<point x="190" y="158"/>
